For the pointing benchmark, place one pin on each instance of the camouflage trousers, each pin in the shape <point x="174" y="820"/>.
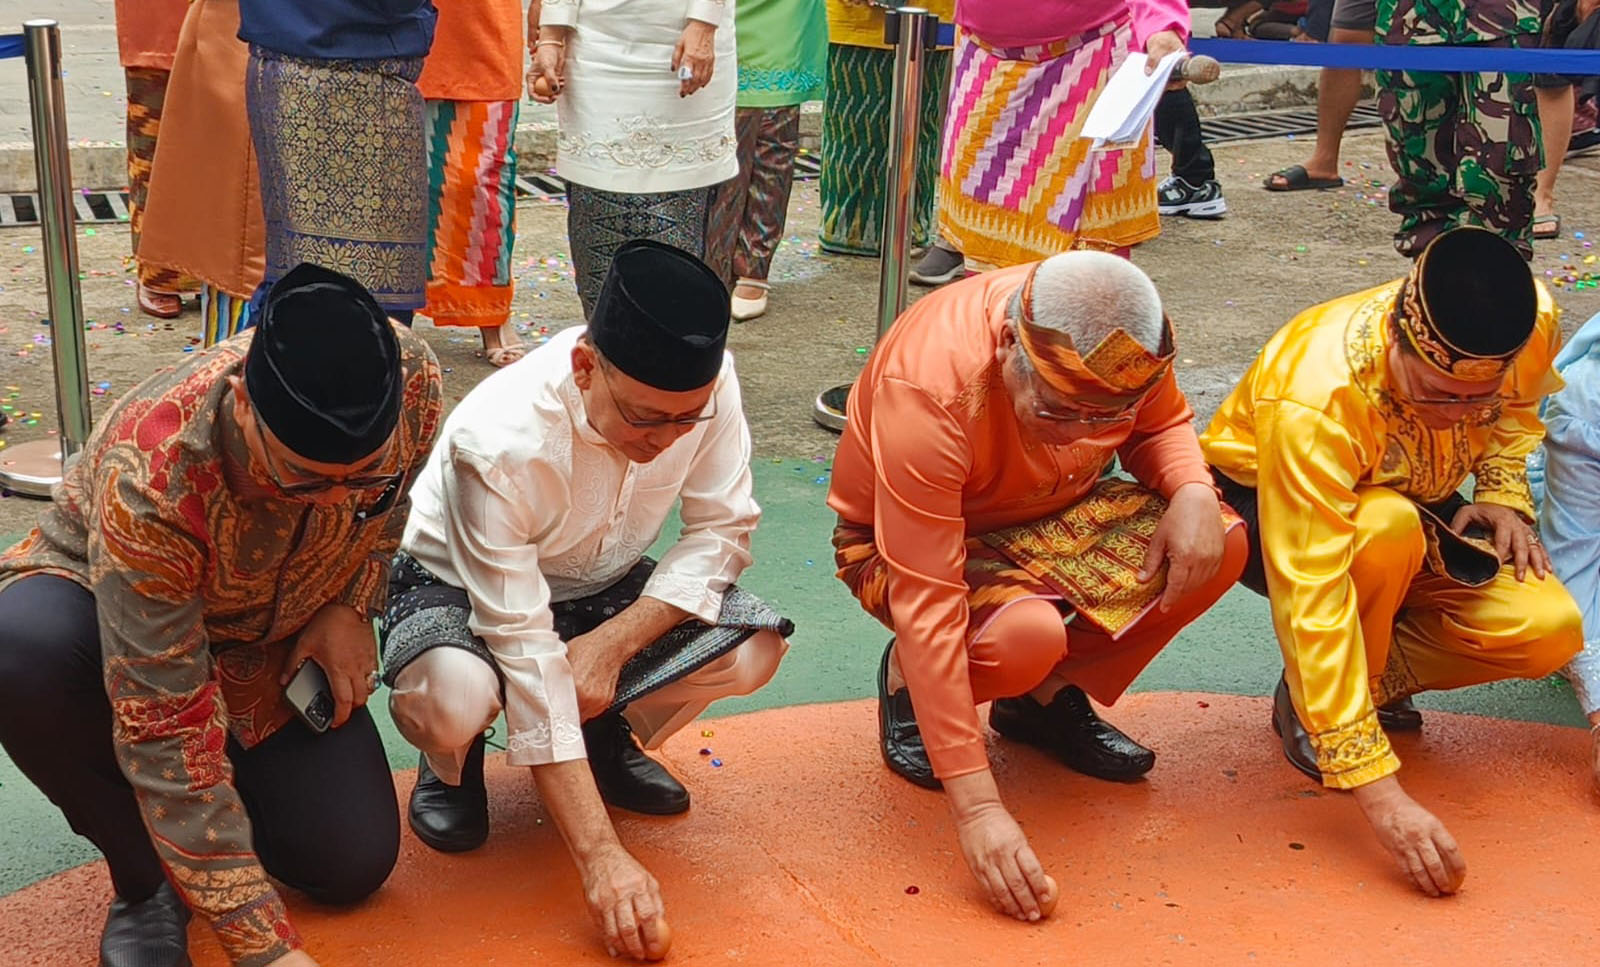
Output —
<point x="1465" y="149"/>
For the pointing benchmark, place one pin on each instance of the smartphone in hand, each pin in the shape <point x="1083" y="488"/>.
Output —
<point x="311" y="697"/>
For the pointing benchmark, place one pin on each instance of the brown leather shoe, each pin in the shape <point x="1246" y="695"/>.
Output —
<point x="1296" y="740"/>
<point x="1399" y="716"/>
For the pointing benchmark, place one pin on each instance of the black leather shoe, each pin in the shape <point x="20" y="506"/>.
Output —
<point x="899" y="739"/>
<point x="1399" y="716"/>
<point x="151" y="933"/>
<point x="626" y="777"/>
<point x="1296" y="741"/>
<point x="451" y="819"/>
<point x="1069" y="729"/>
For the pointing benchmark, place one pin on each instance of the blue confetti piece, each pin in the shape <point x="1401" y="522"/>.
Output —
<point x="716" y="763"/>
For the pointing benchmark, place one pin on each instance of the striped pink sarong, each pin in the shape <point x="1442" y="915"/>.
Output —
<point x="1017" y="183"/>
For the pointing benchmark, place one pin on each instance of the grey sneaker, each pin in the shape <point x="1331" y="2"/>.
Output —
<point x="938" y="266"/>
<point x="1178" y="197"/>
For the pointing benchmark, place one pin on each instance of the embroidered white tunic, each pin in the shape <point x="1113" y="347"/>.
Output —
<point x="622" y="125"/>
<point x="522" y="503"/>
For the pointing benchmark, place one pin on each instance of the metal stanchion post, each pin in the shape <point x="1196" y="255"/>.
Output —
<point x="33" y="468"/>
<point x="912" y="31"/>
<point x="905" y="112"/>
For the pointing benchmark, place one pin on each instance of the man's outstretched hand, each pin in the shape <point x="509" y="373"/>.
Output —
<point x="1422" y="848"/>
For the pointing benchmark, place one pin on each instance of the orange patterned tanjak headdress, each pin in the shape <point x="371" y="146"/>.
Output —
<point x="1424" y="330"/>
<point x="1118" y="366"/>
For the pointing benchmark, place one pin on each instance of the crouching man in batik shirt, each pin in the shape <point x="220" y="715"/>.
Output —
<point x="523" y="585"/>
<point x="229" y="519"/>
<point x="1343" y="448"/>
<point x="976" y="521"/>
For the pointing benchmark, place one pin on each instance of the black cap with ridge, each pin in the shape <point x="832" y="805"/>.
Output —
<point x="1470" y="303"/>
<point x="323" y="368"/>
<point x="661" y="317"/>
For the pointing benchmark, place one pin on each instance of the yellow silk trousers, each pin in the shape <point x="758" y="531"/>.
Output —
<point x="1426" y="632"/>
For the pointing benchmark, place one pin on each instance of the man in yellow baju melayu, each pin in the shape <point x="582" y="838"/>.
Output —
<point x="1343" y="448"/>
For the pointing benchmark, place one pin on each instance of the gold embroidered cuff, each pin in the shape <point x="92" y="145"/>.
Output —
<point x="1518" y="498"/>
<point x="1355" y="754"/>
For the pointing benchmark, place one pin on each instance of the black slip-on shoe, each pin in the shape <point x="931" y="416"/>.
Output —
<point x="898" y="736"/>
<point x="151" y="933"/>
<point x="451" y="819"/>
<point x="626" y="777"/>
<point x="1069" y="729"/>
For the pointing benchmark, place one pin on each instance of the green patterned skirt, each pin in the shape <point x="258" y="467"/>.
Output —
<point x="855" y="148"/>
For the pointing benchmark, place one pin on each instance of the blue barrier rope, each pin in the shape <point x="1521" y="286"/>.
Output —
<point x="10" y="45"/>
<point x="1416" y="57"/>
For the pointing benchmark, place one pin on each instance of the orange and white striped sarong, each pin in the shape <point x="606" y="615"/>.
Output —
<point x="472" y="207"/>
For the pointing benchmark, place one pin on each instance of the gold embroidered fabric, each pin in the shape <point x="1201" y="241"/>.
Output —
<point x="1092" y="552"/>
<point x="1355" y="754"/>
<point x="1467" y="559"/>
<point x="1119" y="365"/>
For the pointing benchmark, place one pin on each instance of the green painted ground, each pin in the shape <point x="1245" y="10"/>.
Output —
<point x="834" y="657"/>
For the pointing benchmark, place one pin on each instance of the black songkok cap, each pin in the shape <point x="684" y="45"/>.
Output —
<point x="661" y="317"/>
<point x="323" y="368"/>
<point x="1470" y="303"/>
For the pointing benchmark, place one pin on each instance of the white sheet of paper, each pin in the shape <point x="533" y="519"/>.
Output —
<point x="1124" y="107"/>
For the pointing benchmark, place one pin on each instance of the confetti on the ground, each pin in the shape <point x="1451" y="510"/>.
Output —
<point x="913" y="890"/>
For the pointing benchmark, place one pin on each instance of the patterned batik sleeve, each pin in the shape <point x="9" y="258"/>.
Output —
<point x="168" y="719"/>
<point x="421" y="410"/>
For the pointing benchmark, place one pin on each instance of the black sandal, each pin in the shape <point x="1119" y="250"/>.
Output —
<point x="1295" y="178"/>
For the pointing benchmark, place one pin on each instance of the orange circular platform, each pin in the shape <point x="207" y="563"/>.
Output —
<point x="801" y="848"/>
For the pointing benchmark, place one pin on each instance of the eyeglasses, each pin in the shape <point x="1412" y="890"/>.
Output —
<point x="1412" y="390"/>
<point x="1494" y="399"/>
<point x="388" y="485"/>
<point x="1085" y="417"/>
<point x="640" y="424"/>
<point x="1125" y="414"/>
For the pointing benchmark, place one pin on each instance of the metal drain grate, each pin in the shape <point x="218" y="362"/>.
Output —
<point x="1276" y="124"/>
<point x="547" y="187"/>
<point x="807" y="165"/>
<point x="19" y="209"/>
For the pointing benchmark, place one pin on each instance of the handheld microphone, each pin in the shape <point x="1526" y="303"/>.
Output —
<point x="1197" y="69"/>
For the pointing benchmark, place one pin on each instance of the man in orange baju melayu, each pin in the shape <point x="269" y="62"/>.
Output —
<point x="977" y="523"/>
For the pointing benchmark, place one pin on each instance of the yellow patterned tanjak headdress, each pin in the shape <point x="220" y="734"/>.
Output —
<point x="1447" y="261"/>
<point x="1118" y="366"/>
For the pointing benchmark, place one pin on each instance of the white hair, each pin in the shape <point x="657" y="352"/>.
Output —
<point x="1088" y="295"/>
